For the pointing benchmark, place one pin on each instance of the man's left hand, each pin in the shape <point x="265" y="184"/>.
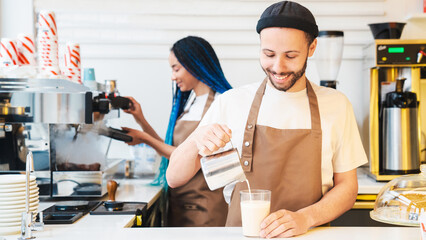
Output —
<point x="284" y="223"/>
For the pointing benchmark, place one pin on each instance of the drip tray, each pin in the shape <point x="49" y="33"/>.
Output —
<point x="61" y="218"/>
<point x="67" y="212"/>
<point x="129" y="208"/>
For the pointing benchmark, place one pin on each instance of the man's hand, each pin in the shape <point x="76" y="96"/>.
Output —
<point x="185" y="159"/>
<point x="211" y="137"/>
<point x="284" y="223"/>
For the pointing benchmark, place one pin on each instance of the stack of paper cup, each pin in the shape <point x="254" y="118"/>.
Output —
<point x="8" y="53"/>
<point x="26" y="50"/>
<point x="47" y="44"/>
<point x="72" y="66"/>
<point x="422" y="222"/>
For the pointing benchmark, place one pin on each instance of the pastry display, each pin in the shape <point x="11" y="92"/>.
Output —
<point x="402" y="200"/>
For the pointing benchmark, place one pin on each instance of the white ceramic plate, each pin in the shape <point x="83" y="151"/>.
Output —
<point x="16" y="218"/>
<point x="11" y="223"/>
<point x="17" y="198"/>
<point x="4" y="231"/>
<point x="12" y="198"/>
<point x="17" y="185"/>
<point x="12" y="190"/>
<point x="9" y="220"/>
<point x="21" y="193"/>
<point x="7" y="179"/>
<point x="17" y="202"/>
<point x="13" y="185"/>
<point x="18" y="210"/>
<point x="18" y="206"/>
<point x="9" y="215"/>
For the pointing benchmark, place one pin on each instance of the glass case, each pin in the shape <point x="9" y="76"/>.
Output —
<point x="402" y="200"/>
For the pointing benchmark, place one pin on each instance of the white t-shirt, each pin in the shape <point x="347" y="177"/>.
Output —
<point x="342" y="149"/>
<point x="195" y="107"/>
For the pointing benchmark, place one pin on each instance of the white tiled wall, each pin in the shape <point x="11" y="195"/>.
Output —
<point x="129" y="40"/>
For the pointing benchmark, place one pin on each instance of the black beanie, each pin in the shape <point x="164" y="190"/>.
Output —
<point x="290" y="15"/>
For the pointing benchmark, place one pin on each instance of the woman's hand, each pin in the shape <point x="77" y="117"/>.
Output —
<point x="137" y="135"/>
<point x="135" y="109"/>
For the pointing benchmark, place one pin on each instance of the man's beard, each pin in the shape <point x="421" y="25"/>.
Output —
<point x="295" y="76"/>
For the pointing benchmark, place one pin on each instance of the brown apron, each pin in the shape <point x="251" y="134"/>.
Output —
<point x="285" y="161"/>
<point x="194" y="205"/>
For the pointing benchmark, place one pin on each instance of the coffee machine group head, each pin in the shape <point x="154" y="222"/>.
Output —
<point x="328" y="56"/>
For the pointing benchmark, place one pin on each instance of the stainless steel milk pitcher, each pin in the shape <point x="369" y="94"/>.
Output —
<point x="222" y="168"/>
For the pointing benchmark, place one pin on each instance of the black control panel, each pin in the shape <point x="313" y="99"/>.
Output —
<point x="401" y="54"/>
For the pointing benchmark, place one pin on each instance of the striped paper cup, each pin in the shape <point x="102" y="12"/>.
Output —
<point x="8" y="52"/>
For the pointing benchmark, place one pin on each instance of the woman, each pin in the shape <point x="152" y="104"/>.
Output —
<point x="196" y="69"/>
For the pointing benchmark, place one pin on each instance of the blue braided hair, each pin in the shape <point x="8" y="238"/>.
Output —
<point x="197" y="56"/>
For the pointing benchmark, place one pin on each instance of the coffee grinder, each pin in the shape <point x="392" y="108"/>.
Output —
<point x="328" y="56"/>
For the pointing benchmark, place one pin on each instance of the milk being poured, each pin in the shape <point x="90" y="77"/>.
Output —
<point x="248" y="186"/>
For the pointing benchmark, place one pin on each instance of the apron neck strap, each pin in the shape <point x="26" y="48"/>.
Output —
<point x="314" y="107"/>
<point x="209" y="101"/>
<point x="312" y="98"/>
<point x="247" y="153"/>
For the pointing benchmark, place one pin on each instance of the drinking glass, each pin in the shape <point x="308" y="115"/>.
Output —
<point x="255" y="206"/>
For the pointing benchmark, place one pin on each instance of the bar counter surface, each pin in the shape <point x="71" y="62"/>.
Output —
<point x="117" y="226"/>
<point x="111" y="227"/>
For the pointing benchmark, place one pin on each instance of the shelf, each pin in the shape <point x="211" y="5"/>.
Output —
<point x="416" y="17"/>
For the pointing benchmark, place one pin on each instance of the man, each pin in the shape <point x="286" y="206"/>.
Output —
<point x="297" y="139"/>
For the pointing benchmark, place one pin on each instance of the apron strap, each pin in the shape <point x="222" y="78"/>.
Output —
<point x="247" y="148"/>
<point x="209" y="101"/>
<point x="314" y="107"/>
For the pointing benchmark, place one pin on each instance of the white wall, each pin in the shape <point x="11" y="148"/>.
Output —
<point x="129" y="40"/>
<point x="16" y="16"/>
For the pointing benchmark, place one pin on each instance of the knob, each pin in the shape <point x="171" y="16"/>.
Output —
<point x="112" y="188"/>
<point x="420" y="55"/>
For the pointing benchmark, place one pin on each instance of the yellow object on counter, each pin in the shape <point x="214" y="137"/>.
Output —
<point x="366" y="197"/>
<point x="139" y="220"/>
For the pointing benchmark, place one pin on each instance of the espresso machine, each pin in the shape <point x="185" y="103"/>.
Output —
<point x="328" y="56"/>
<point x="397" y="107"/>
<point x="63" y="124"/>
